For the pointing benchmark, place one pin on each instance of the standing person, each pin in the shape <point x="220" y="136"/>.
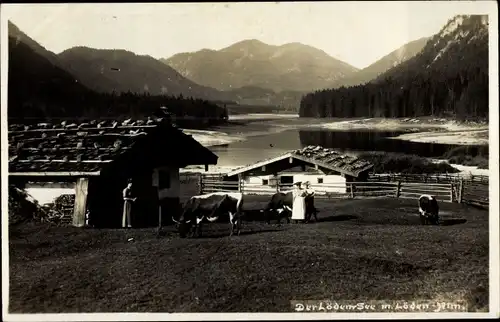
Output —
<point x="310" y="209"/>
<point x="128" y="199"/>
<point x="299" y="203"/>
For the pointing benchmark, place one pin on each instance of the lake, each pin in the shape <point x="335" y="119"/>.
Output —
<point x="289" y="137"/>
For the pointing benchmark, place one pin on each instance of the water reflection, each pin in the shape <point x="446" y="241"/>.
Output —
<point x="270" y="145"/>
<point x="257" y="148"/>
<point x="378" y="141"/>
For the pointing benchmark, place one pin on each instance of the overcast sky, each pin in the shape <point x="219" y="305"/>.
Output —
<point x="358" y="33"/>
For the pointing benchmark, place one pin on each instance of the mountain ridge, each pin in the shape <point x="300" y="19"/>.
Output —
<point x="372" y="71"/>
<point x="251" y="62"/>
<point x="119" y="70"/>
<point x="40" y="89"/>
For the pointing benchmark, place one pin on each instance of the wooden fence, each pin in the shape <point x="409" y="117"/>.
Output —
<point x="428" y="178"/>
<point x="457" y="190"/>
<point x="444" y="192"/>
<point x="475" y="193"/>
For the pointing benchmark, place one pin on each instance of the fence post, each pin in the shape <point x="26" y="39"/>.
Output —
<point x="240" y="183"/>
<point x="451" y="192"/>
<point x="398" y="190"/>
<point x="352" y="190"/>
<point x="460" y="190"/>
<point x="200" y="184"/>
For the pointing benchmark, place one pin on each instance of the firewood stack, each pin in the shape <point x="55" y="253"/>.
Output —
<point x="61" y="211"/>
<point x="23" y="208"/>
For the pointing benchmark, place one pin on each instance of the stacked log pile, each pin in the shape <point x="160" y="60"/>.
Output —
<point x="61" y="210"/>
<point x="24" y="208"/>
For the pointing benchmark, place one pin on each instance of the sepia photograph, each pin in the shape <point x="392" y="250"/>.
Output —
<point x="229" y="160"/>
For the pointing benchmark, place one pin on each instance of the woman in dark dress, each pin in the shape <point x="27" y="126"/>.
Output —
<point x="128" y="199"/>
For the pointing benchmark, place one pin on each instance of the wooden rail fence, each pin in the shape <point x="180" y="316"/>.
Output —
<point x="428" y="178"/>
<point x="444" y="192"/>
<point x="459" y="190"/>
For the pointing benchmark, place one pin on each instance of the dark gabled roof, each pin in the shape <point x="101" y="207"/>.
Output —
<point x="333" y="160"/>
<point x="90" y="146"/>
<point x="316" y="155"/>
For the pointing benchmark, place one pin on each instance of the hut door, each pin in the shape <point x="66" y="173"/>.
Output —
<point x="146" y="209"/>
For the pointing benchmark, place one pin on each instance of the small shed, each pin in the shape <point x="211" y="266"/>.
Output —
<point x="312" y="163"/>
<point x="97" y="158"/>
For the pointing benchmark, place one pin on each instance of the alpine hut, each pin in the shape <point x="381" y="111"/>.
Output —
<point x="98" y="158"/>
<point x="322" y="167"/>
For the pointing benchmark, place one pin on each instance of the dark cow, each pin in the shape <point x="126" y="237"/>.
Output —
<point x="208" y="208"/>
<point x="279" y="206"/>
<point x="311" y="209"/>
<point x="428" y="209"/>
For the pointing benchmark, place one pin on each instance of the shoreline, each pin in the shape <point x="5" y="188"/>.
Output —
<point x="438" y="131"/>
<point x="464" y="137"/>
<point x="423" y="130"/>
<point x="239" y="129"/>
<point x="420" y="130"/>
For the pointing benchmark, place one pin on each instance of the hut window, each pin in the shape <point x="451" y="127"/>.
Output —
<point x="265" y="182"/>
<point x="164" y="180"/>
<point x="286" y="179"/>
<point x="320" y="180"/>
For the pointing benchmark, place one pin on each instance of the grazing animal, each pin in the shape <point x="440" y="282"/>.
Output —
<point x="280" y="206"/>
<point x="311" y="209"/>
<point x="209" y="207"/>
<point x="428" y="209"/>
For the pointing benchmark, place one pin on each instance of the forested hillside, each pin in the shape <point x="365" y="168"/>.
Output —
<point x="39" y="89"/>
<point x="449" y="77"/>
<point x="251" y="95"/>
<point x="113" y="70"/>
<point x="382" y="65"/>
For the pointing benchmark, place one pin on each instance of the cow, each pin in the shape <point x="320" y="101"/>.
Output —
<point x="280" y="205"/>
<point x="209" y="208"/>
<point x="428" y="210"/>
<point x="311" y="209"/>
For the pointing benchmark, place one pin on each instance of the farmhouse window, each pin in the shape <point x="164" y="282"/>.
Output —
<point x="265" y="182"/>
<point x="320" y="180"/>
<point x="164" y="180"/>
<point x="286" y="179"/>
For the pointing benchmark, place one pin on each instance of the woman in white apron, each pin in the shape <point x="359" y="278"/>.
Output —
<point x="299" y="203"/>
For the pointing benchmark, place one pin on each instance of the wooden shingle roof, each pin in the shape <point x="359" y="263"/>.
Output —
<point x="317" y="156"/>
<point x="83" y="147"/>
<point x="332" y="159"/>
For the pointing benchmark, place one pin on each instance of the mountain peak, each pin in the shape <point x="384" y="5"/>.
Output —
<point x="458" y="31"/>
<point x="100" y="51"/>
<point x="247" y="44"/>
<point x="461" y="21"/>
<point x="296" y="45"/>
<point x="452" y="25"/>
<point x="251" y="62"/>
